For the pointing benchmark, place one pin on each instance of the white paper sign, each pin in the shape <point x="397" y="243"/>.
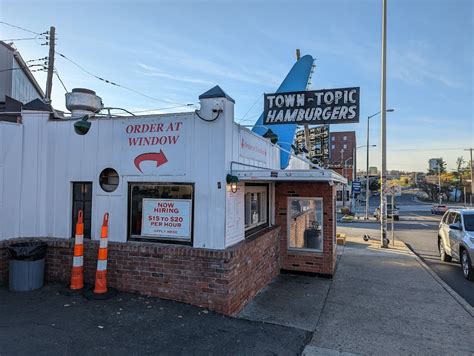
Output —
<point x="252" y="147"/>
<point x="235" y="225"/>
<point x="170" y="218"/>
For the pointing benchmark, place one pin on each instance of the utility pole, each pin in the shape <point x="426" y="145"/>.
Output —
<point x="472" y="179"/>
<point x="49" y="79"/>
<point x="383" y="173"/>
<point x="344" y="175"/>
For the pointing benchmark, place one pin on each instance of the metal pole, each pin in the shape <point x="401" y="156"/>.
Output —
<point x="383" y="112"/>
<point x="393" y="208"/>
<point x="439" y="182"/>
<point x="367" y="177"/>
<point x="49" y="78"/>
<point x="465" y="202"/>
<point x="344" y="175"/>
<point x="472" y="179"/>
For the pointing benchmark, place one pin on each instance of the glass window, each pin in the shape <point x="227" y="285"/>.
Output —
<point x="339" y="195"/>
<point x="345" y="138"/>
<point x="450" y="218"/>
<point x="161" y="211"/>
<point x="468" y="222"/>
<point x="333" y="147"/>
<point x="256" y="208"/>
<point x="82" y="200"/>
<point x="305" y="223"/>
<point x="109" y="180"/>
<point x="333" y="138"/>
<point x="345" y="146"/>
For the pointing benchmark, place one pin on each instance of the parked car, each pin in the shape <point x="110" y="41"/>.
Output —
<point x="390" y="212"/>
<point x="439" y="209"/>
<point x="456" y="239"/>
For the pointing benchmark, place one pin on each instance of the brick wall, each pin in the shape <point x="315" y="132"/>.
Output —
<point x="221" y="280"/>
<point x="315" y="262"/>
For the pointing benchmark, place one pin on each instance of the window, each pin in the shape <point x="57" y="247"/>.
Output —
<point x="333" y="138"/>
<point x="344" y="138"/>
<point x="450" y="218"/>
<point x="339" y="195"/>
<point x="345" y="146"/>
<point x="82" y="200"/>
<point x="109" y="180"/>
<point x="305" y="223"/>
<point x="256" y="208"/>
<point x="161" y="211"/>
<point x="333" y="147"/>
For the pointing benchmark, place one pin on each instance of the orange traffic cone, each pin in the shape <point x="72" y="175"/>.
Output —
<point x="101" y="274"/>
<point x="77" y="273"/>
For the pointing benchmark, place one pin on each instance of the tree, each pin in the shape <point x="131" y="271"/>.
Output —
<point x="459" y="170"/>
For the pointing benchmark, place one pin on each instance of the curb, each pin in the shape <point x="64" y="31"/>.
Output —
<point x="455" y="295"/>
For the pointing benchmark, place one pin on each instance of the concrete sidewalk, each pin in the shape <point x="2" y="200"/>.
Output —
<point x="384" y="302"/>
<point x="380" y="302"/>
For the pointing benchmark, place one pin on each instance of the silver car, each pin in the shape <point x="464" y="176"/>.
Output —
<point x="456" y="239"/>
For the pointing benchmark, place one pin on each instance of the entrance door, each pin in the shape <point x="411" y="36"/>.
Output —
<point x="82" y="199"/>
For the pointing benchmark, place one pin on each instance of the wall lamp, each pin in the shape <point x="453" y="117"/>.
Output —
<point x="273" y="137"/>
<point x="232" y="180"/>
<point x="82" y="126"/>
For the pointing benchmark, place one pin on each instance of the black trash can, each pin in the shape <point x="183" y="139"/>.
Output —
<point x="26" y="266"/>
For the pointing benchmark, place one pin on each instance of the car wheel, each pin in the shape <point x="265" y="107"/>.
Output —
<point x="442" y="252"/>
<point x="466" y="264"/>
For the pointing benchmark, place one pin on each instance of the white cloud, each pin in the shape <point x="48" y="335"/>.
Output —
<point x="154" y="72"/>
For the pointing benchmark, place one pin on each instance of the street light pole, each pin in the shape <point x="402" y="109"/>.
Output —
<point x="383" y="141"/>
<point x="439" y="182"/>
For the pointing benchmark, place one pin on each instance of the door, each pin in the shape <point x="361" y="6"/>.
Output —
<point x="455" y="236"/>
<point x="82" y="199"/>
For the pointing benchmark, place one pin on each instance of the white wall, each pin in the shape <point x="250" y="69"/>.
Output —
<point x="41" y="158"/>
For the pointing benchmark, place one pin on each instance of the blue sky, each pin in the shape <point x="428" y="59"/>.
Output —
<point x="175" y="50"/>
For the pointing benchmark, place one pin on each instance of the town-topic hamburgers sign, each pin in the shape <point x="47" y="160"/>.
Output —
<point x="327" y="106"/>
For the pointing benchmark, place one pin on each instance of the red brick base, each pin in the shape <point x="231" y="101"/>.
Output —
<point x="304" y="261"/>
<point x="221" y="280"/>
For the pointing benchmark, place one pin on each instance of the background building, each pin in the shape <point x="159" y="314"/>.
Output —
<point x="318" y="152"/>
<point x="433" y="164"/>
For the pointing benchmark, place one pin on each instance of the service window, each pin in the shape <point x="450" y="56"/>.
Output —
<point x="305" y="223"/>
<point x="255" y="208"/>
<point x="161" y="212"/>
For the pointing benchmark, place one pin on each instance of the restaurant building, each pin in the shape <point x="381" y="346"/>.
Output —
<point x="199" y="209"/>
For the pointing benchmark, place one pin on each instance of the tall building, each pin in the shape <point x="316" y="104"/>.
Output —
<point x="342" y="152"/>
<point x="318" y="152"/>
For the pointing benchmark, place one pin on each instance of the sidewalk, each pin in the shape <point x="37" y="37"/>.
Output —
<point x="380" y="302"/>
<point x="384" y="302"/>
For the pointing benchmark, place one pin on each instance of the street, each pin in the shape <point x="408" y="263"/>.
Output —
<point x="418" y="229"/>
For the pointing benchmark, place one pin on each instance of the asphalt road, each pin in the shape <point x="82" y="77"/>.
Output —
<point x="418" y="228"/>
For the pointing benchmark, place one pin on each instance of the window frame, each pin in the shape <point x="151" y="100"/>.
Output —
<point x="74" y="218"/>
<point x="288" y="217"/>
<point x="139" y="238"/>
<point x="256" y="228"/>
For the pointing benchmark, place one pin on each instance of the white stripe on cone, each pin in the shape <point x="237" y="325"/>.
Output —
<point x="79" y="239"/>
<point x="101" y="265"/>
<point x="77" y="261"/>
<point x="103" y="243"/>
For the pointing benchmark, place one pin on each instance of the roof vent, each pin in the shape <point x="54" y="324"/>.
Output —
<point x="81" y="102"/>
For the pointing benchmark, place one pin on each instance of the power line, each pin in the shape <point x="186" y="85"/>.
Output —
<point x="18" y="39"/>
<point x="21" y="28"/>
<point x="62" y="83"/>
<point x="118" y="85"/>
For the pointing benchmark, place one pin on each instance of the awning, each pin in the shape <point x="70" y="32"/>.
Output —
<point x="303" y="175"/>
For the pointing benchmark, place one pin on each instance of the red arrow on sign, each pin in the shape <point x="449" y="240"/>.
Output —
<point x="159" y="158"/>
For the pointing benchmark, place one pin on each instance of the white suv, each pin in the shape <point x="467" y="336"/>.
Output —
<point x="456" y="239"/>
